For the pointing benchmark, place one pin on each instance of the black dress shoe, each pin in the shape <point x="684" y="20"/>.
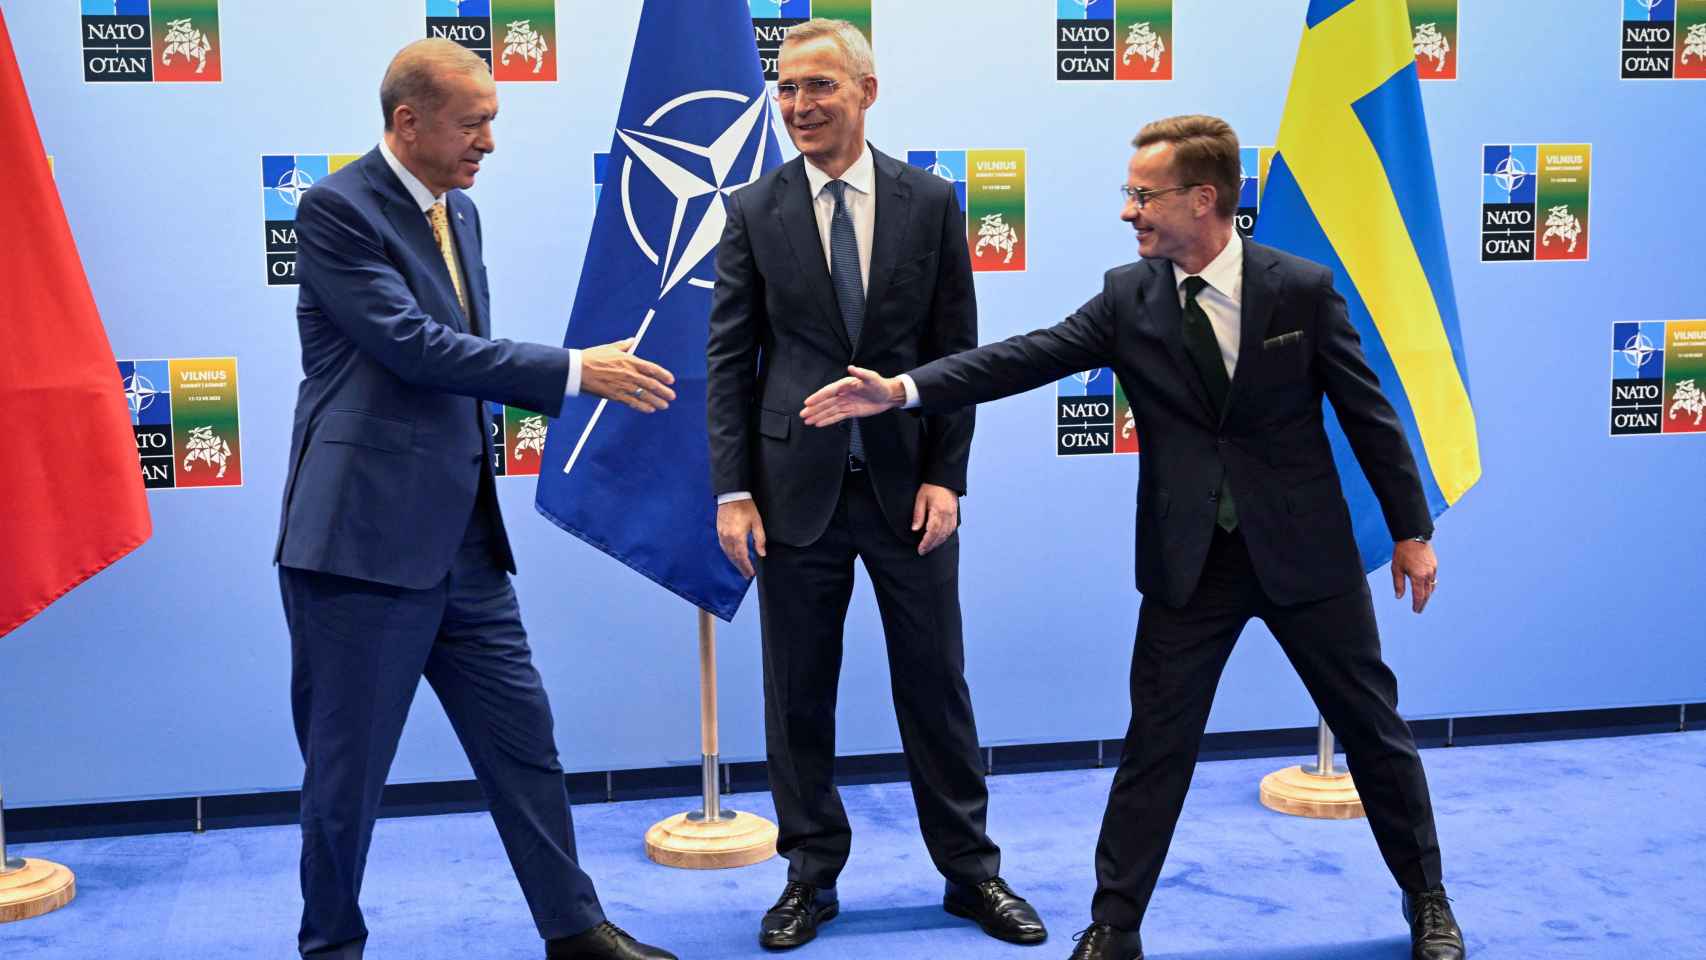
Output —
<point x="1434" y="934"/>
<point x="794" y="919"/>
<point x="1100" y="941"/>
<point x="606" y="941"/>
<point x="1001" y="913"/>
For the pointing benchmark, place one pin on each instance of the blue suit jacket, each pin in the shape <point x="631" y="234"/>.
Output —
<point x="390" y="446"/>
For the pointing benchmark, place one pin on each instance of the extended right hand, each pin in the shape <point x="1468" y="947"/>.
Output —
<point x="613" y="372"/>
<point x="866" y="393"/>
<point x="736" y="520"/>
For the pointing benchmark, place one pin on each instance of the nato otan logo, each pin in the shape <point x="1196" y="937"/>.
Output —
<point x="516" y="38"/>
<point x="1534" y="201"/>
<point x="284" y="178"/>
<point x="1664" y="39"/>
<point x="990" y="187"/>
<point x="1253" y="164"/>
<point x="150" y="41"/>
<point x="184" y="415"/>
<point x="518" y="441"/>
<point x="1113" y="39"/>
<point x="772" y="18"/>
<point x="1092" y="415"/>
<point x="1658" y="377"/>
<point x="1433" y="35"/>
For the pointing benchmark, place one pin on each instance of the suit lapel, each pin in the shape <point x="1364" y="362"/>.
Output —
<point x="468" y="252"/>
<point x="411" y="224"/>
<point x="794" y="215"/>
<point x="1166" y="320"/>
<point x="888" y="232"/>
<point x="1255" y="310"/>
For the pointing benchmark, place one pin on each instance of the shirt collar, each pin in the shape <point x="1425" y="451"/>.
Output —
<point x="861" y="176"/>
<point x="417" y="190"/>
<point x="1225" y="273"/>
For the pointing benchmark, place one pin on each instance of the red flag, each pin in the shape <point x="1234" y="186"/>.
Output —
<point x="71" y="492"/>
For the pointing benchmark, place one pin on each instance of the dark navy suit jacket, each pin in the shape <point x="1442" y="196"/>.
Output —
<point x="1269" y="442"/>
<point x="390" y="445"/>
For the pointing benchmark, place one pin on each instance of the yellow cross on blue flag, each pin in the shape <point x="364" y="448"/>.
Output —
<point x="1351" y="186"/>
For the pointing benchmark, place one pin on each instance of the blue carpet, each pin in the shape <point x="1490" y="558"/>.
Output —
<point x="1592" y="849"/>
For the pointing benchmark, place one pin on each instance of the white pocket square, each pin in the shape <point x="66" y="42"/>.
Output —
<point x="1283" y="339"/>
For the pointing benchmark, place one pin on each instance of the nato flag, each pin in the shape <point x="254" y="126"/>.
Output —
<point x="694" y="125"/>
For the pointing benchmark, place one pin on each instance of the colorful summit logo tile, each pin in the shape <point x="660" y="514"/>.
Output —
<point x="1113" y="39"/>
<point x="1253" y="163"/>
<point x="1092" y="415"/>
<point x="1664" y="39"/>
<point x="518" y="441"/>
<point x="1658" y="377"/>
<point x="151" y="41"/>
<point x="991" y="189"/>
<point x="284" y="178"/>
<point x="1534" y="201"/>
<point x="1433" y="34"/>
<point x="516" y="38"/>
<point x="184" y="414"/>
<point x="772" y="18"/>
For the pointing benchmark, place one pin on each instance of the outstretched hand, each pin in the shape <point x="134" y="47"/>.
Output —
<point x="613" y="372"/>
<point x="865" y="393"/>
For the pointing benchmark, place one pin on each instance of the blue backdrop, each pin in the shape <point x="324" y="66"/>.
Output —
<point x="1570" y="575"/>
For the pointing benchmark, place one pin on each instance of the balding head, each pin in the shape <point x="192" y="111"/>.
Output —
<point x="416" y="77"/>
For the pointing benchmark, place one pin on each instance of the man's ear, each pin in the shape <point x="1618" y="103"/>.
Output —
<point x="870" y="87"/>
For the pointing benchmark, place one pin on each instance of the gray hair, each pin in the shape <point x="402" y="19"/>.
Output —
<point x="855" y="49"/>
<point x="415" y="73"/>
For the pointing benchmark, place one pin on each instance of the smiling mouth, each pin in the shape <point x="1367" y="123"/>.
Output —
<point x="819" y="124"/>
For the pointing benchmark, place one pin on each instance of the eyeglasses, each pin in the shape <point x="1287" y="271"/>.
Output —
<point x="815" y="89"/>
<point x="1142" y="195"/>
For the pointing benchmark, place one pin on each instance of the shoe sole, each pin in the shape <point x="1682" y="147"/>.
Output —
<point x="1024" y="941"/>
<point x="822" y="917"/>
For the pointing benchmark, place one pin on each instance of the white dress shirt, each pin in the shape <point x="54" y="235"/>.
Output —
<point x="425" y="199"/>
<point x="1221" y="300"/>
<point x="860" y="199"/>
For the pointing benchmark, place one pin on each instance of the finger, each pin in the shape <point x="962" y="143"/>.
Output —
<point x="646" y="368"/>
<point x="653" y="387"/>
<point x="824" y="415"/>
<point x="918" y="508"/>
<point x="829" y="391"/>
<point x="1419" y="596"/>
<point x="625" y="344"/>
<point x="932" y="533"/>
<point x="735" y="549"/>
<point x="1397" y="583"/>
<point x="758" y="536"/>
<point x="868" y="376"/>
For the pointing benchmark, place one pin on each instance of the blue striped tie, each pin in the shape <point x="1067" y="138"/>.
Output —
<point x="849" y="288"/>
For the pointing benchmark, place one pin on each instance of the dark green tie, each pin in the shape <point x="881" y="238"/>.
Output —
<point x="1204" y="349"/>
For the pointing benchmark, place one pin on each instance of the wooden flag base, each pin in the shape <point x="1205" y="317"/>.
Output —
<point x="1300" y="793"/>
<point x="41" y="887"/>
<point x="694" y="843"/>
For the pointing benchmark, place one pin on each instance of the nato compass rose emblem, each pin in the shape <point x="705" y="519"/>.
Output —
<point x="292" y="184"/>
<point x="695" y="176"/>
<point x="139" y="394"/>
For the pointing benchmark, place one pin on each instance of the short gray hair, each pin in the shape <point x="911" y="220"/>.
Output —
<point x="855" y="49"/>
<point x="414" y="74"/>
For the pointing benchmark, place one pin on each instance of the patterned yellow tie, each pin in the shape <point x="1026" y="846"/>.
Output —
<point x="441" y="232"/>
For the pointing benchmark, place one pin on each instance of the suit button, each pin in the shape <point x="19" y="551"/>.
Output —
<point x="1213" y="495"/>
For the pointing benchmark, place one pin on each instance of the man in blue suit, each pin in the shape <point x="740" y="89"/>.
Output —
<point x="393" y="562"/>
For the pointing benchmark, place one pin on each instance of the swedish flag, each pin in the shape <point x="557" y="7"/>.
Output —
<point x="1352" y="186"/>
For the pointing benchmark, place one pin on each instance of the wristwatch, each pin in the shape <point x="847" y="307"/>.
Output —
<point x="1424" y="538"/>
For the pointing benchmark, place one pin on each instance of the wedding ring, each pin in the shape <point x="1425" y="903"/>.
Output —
<point x="639" y="391"/>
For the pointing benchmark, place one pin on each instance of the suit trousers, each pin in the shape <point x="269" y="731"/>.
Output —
<point x="1179" y="654"/>
<point x="358" y="652"/>
<point x="803" y="594"/>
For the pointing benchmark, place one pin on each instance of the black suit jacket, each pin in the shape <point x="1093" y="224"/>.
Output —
<point x="1269" y="443"/>
<point x="776" y="335"/>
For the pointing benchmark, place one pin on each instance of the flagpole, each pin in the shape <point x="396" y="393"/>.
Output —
<point x="710" y="838"/>
<point x="1321" y="790"/>
<point x="28" y="887"/>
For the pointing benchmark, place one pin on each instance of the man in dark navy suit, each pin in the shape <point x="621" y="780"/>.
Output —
<point x="846" y="254"/>
<point x="393" y="562"/>
<point x="1227" y="349"/>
